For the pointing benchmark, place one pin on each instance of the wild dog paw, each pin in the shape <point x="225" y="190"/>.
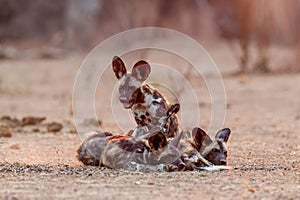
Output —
<point x="170" y="168"/>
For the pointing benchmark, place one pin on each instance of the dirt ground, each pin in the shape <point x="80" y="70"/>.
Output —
<point x="264" y="149"/>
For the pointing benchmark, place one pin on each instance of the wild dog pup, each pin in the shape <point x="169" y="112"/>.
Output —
<point x="148" y="105"/>
<point x="200" y="151"/>
<point x="215" y="151"/>
<point x="151" y="151"/>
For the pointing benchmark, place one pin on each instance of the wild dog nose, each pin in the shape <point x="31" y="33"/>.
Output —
<point x="179" y="164"/>
<point x="123" y="99"/>
<point x="223" y="162"/>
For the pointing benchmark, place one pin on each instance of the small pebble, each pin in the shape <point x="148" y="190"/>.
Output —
<point x="54" y="127"/>
<point x="251" y="190"/>
<point x="5" y="131"/>
<point x="15" y="146"/>
<point x="138" y="183"/>
<point x="30" y="120"/>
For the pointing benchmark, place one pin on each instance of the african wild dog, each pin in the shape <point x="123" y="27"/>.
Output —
<point x="216" y="150"/>
<point x="200" y="150"/>
<point x="151" y="151"/>
<point x="148" y="105"/>
<point x="116" y="152"/>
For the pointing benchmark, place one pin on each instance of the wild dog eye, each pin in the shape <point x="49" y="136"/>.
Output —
<point x="225" y="153"/>
<point x="139" y="150"/>
<point x="215" y="150"/>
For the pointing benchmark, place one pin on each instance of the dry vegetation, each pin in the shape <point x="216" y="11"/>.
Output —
<point x="252" y="28"/>
<point x="260" y="24"/>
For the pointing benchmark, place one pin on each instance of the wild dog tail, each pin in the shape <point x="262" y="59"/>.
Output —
<point x="90" y="151"/>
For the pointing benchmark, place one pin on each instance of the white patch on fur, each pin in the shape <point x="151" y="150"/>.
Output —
<point x="159" y="100"/>
<point x="120" y="74"/>
<point x="192" y="159"/>
<point x="149" y="103"/>
<point x="224" y="146"/>
<point x="149" y="99"/>
<point x="134" y="82"/>
<point x="146" y="168"/>
<point x="138" y="132"/>
<point x="122" y="80"/>
<point x="139" y="76"/>
<point x="152" y="109"/>
<point x="216" y="168"/>
<point x="162" y="120"/>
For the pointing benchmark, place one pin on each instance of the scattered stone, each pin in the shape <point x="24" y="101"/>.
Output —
<point x="138" y="182"/>
<point x="72" y="131"/>
<point x="54" y="127"/>
<point x="30" y="120"/>
<point x="15" y="146"/>
<point x="251" y="190"/>
<point x="5" y="131"/>
<point x="10" y="122"/>
<point x="35" y="130"/>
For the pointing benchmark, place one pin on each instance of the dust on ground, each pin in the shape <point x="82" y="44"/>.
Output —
<point x="264" y="150"/>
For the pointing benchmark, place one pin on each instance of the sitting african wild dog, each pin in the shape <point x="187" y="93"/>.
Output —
<point x="150" y="152"/>
<point x="148" y="105"/>
<point x="200" y="150"/>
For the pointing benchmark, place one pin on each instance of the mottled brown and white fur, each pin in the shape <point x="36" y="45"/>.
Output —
<point x="147" y="104"/>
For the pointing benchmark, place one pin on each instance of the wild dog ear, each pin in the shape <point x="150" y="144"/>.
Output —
<point x="157" y="141"/>
<point x="199" y="136"/>
<point x="118" y="67"/>
<point x="174" y="108"/>
<point x="104" y="134"/>
<point x="175" y="141"/>
<point x="141" y="70"/>
<point x="223" y="134"/>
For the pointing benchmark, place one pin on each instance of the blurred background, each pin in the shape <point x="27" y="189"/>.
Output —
<point x="255" y="44"/>
<point x="256" y="35"/>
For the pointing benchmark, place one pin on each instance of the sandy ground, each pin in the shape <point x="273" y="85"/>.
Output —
<point x="264" y="149"/>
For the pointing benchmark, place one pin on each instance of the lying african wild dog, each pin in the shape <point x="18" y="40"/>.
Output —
<point x="200" y="145"/>
<point x="125" y="152"/>
<point x="150" y="152"/>
<point x="148" y="105"/>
